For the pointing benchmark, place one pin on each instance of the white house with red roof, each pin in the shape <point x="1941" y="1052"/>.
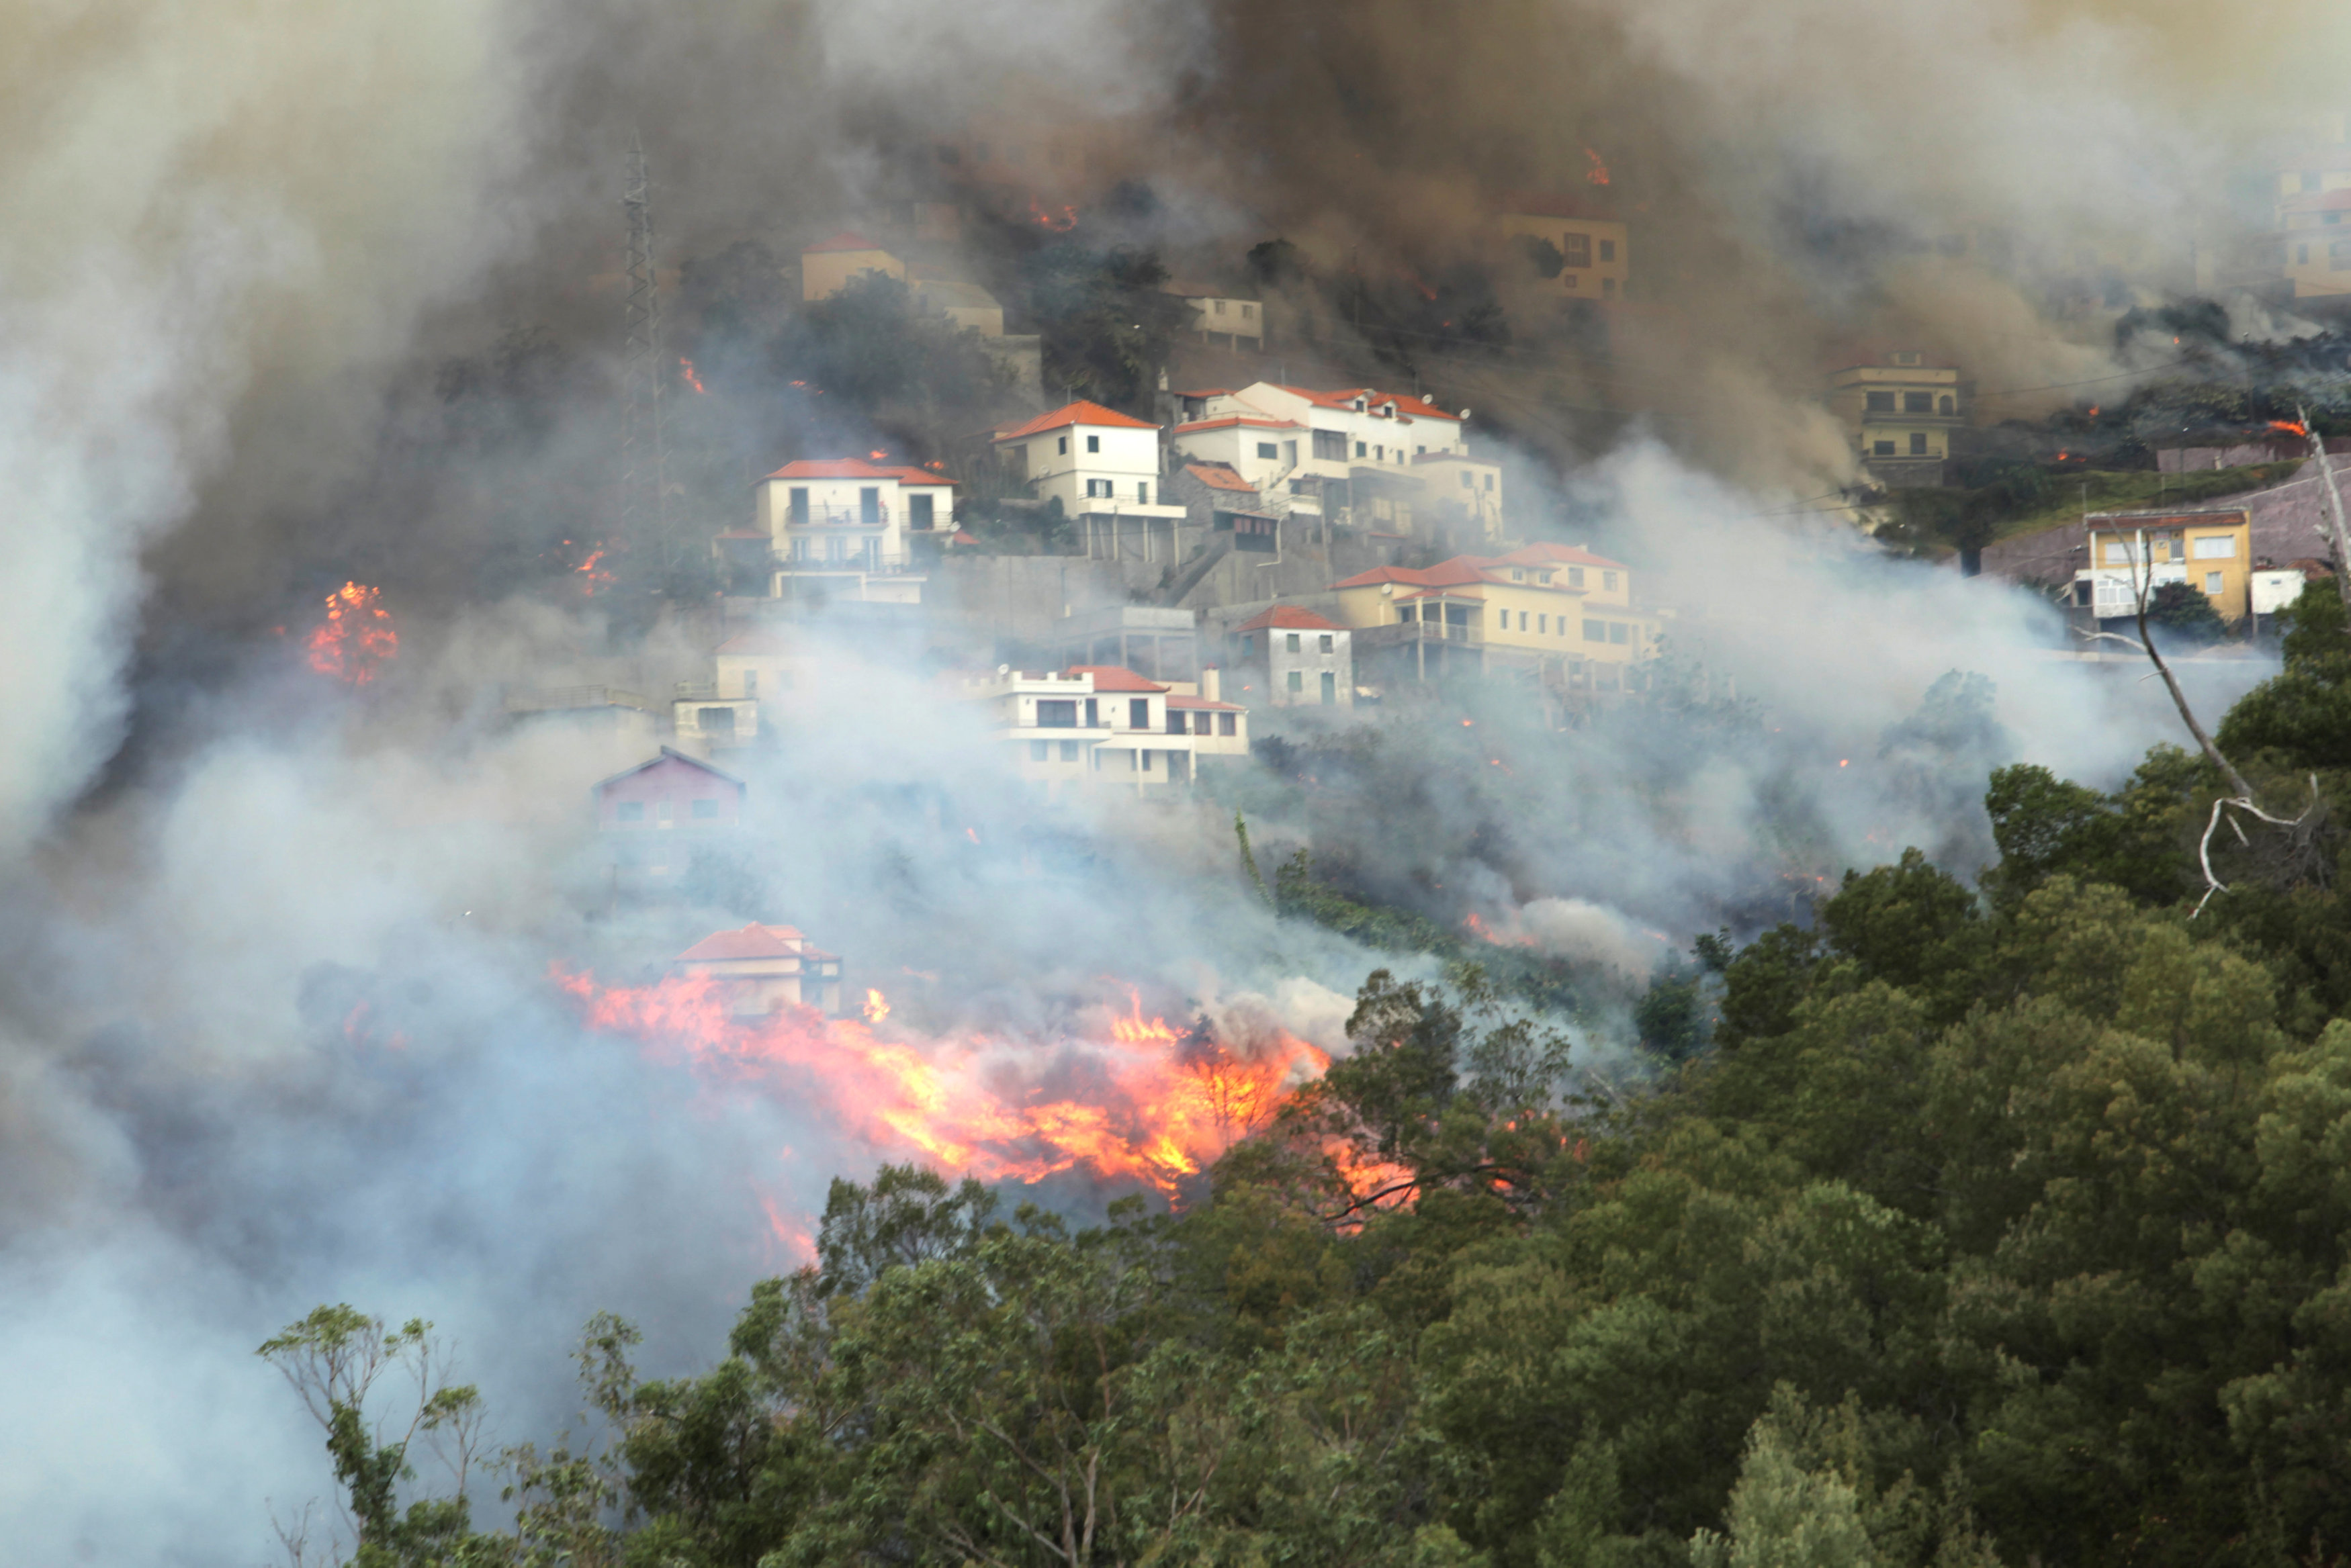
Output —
<point x="1296" y="658"/>
<point x="1104" y="469"/>
<point x="855" y="525"/>
<point x="1387" y="463"/>
<point x="1094" y="725"/>
<point x="759" y="969"/>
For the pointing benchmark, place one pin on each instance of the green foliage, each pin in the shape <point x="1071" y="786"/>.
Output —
<point x="875" y="349"/>
<point x="2301" y="717"/>
<point x="1107" y="325"/>
<point x="2187" y="614"/>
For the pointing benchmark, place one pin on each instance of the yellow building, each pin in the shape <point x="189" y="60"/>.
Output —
<point x="827" y="267"/>
<point x="1900" y="408"/>
<point x="2210" y="551"/>
<point x="1595" y="247"/>
<point x="1559" y="609"/>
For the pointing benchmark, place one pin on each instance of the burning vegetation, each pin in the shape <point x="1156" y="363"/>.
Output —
<point x="355" y="637"/>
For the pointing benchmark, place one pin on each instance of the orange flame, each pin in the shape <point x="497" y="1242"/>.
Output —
<point x="1486" y="933"/>
<point x="1159" y="1106"/>
<point x="877" y="455"/>
<point x="877" y="1006"/>
<point x="356" y="637"/>
<point x="1060" y="223"/>
<point x="685" y="370"/>
<point x="1597" y="172"/>
<point x="2290" y="427"/>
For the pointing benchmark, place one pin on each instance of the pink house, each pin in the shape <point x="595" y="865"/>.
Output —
<point x="655" y="816"/>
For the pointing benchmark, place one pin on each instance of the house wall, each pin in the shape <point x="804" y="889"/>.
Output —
<point x="667" y="793"/>
<point x="1237" y="445"/>
<point x="827" y="272"/>
<point x="1128" y="459"/>
<point x="1609" y="245"/>
<point x="2187" y="540"/>
<point x="1239" y="317"/>
<point x="1270" y="656"/>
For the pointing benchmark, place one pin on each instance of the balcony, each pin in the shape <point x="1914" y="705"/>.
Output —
<point x="838" y="517"/>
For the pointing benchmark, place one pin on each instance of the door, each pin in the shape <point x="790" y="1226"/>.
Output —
<point x="1330" y="688"/>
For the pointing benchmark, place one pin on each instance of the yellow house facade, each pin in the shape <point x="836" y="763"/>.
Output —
<point x="1900" y="408"/>
<point x="2210" y="551"/>
<point x="1558" y="608"/>
<point x="1595" y="245"/>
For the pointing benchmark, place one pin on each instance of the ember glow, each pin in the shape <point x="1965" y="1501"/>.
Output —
<point x="1061" y="223"/>
<point x="1158" y="1105"/>
<point x="2291" y="427"/>
<point x="1596" y="171"/>
<point x="685" y="373"/>
<point x="355" y="637"/>
<point x="877" y="1006"/>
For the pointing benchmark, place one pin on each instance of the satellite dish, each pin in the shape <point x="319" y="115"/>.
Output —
<point x="1004" y="670"/>
<point x="1465" y="413"/>
<point x="1387" y="590"/>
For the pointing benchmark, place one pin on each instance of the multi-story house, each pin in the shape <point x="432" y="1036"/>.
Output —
<point x="853" y="528"/>
<point x="1104" y="469"/>
<point x="1095" y="726"/>
<point x="755" y="675"/>
<point x="2211" y="550"/>
<point x="1559" y="609"/>
<point x="1222" y="316"/>
<point x="1901" y="409"/>
<point x="1297" y="659"/>
<point x="652" y="818"/>
<point x="1355" y="456"/>
<point x="1584" y="230"/>
<point x="827" y="267"/>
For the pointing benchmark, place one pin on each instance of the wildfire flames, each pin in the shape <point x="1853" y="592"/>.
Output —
<point x="1159" y="1104"/>
<point x="1061" y="223"/>
<point x="685" y="373"/>
<point x="2290" y="427"/>
<point x="355" y="637"/>
<point x="1596" y="173"/>
<point x="1486" y="933"/>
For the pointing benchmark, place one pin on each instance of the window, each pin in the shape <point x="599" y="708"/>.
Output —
<point x="1290" y="453"/>
<point x="1608" y="581"/>
<point x="1326" y="642"/>
<point x="1917" y="402"/>
<point x="1517" y="574"/>
<point x="1290" y="642"/>
<point x="2212" y="584"/>
<point x="1330" y="689"/>
<point x="919" y="514"/>
<point x="2339" y="256"/>
<point x="1619" y="632"/>
<point x="630" y="811"/>
<point x="1249" y="313"/>
<point x="1879" y="403"/>
<point x="1138" y="713"/>
<point x="706" y="810"/>
<point x="1490" y="482"/>
<point x="1404" y="613"/>
<point x="1543" y="625"/>
<point x="1178" y="722"/>
<point x="1057" y="713"/>
<point x="2215" y="548"/>
<point x="1607" y="285"/>
<point x="1330" y="445"/>
<point x="1297" y="680"/>
<point x="2120" y="552"/>
<point x="1904" y="356"/>
<point x="1097" y="487"/>
<point x="1267" y="450"/>
<point x="1146" y="761"/>
<point x="1468" y="480"/>
<point x="1882" y="449"/>
<point x="1917" y="444"/>
<point x="1143" y="491"/>
<point x="1575" y="577"/>
<point x="1595" y="632"/>
<point x="1946" y="406"/>
<point x="751" y="683"/>
<point x="1227" y="724"/>
<point x="1576" y="249"/>
<point x="1069" y="751"/>
<point x="1360" y="449"/>
<point x="1608" y="250"/>
<point x="869" y="506"/>
<point x="799" y="508"/>
<point x="1037" y="749"/>
<point x="1061" y="446"/>
<point x="1218" y="307"/>
<point x="1094" y="443"/>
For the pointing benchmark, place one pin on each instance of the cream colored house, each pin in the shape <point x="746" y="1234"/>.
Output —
<point x="1900" y="406"/>
<point x="1099" y="726"/>
<point x="1595" y="244"/>
<point x="828" y="265"/>
<point x="760" y="969"/>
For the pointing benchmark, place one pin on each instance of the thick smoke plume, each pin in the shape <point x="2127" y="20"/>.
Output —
<point x="276" y="952"/>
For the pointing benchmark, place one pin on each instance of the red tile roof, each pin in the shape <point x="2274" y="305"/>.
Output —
<point x="1221" y="476"/>
<point x="847" y="240"/>
<point x="857" y="468"/>
<point x="1113" y="678"/>
<point x="1559" y="555"/>
<point x="1463" y="570"/>
<point x="1407" y="405"/>
<point x="1079" y="413"/>
<point x="1180" y="701"/>
<point x="1287" y="618"/>
<point x="753" y="942"/>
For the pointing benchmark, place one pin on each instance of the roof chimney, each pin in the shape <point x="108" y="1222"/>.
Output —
<point x="1212" y="684"/>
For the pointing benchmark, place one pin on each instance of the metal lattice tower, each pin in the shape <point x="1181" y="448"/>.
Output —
<point x="644" y="487"/>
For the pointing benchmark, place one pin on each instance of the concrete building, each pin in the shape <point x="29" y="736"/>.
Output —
<point x="2314" y="229"/>
<point x="1157" y="643"/>
<point x="1221" y="316"/>
<point x="1559" y="610"/>
<point x="853" y="528"/>
<point x="1297" y="659"/>
<point x="1104" y="469"/>
<point x="1352" y="456"/>
<point x="2211" y="550"/>
<point x="1900" y="408"/>
<point x="1594" y="243"/>
<point x="1098" y="726"/>
<point x="760" y="970"/>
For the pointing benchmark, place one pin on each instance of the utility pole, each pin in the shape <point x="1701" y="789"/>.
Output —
<point x="2334" y="502"/>
<point x="644" y="458"/>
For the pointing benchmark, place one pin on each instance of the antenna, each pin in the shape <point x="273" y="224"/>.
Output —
<point x="644" y="478"/>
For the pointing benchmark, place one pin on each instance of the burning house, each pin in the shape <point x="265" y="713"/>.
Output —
<point x="759" y="969"/>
